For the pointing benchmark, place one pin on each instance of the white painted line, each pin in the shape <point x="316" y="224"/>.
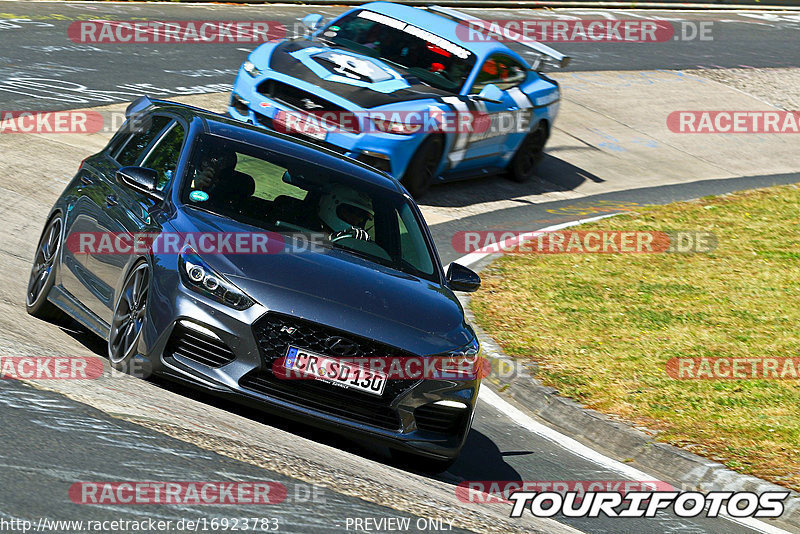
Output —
<point x="579" y="449"/>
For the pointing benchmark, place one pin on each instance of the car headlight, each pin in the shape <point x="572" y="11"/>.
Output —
<point x="251" y="69"/>
<point x="399" y="128"/>
<point x="464" y="363"/>
<point x="198" y="276"/>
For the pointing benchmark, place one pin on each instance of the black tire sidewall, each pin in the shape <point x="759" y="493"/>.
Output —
<point x="415" y="179"/>
<point x="124" y="364"/>
<point x="515" y="170"/>
<point x="41" y="307"/>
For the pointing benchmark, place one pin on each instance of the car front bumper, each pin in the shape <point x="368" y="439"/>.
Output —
<point x="391" y="153"/>
<point x="230" y="353"/>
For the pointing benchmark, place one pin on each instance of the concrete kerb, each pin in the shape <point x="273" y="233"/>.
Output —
<point x="617" y="438"/>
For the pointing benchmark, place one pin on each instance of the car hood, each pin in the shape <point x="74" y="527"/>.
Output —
<point x="344" y="291"/>
<point x="365" y="81"/>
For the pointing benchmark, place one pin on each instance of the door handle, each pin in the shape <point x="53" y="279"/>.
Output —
<point x="111" y="200"/>
<point x="85" y="180"/>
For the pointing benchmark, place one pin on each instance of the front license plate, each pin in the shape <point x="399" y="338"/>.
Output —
<point x="294" y="123"/>
<point x="334" y="371"/>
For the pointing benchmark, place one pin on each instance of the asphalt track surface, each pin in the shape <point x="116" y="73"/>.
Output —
<point x="51" y="441"/>
<point x="42" y="69"/>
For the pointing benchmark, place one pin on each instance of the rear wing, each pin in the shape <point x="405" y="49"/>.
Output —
<point x="544" y="54"/>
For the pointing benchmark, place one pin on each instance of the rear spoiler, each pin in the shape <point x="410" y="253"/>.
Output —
<point x="138" y="105"/>
<point x="544" y="54"/>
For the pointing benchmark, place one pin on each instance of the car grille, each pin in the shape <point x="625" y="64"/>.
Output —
<point x="187" y="343"/>
<point x="276" y="332"/>
<point x="437" y="418"/>
<point x="309" y="103"/>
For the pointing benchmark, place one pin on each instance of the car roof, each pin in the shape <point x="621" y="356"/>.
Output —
<point x="230" y="128"/>
<point x="439" y="24"/>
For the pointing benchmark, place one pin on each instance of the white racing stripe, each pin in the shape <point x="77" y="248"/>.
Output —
<point x="460" y="143"/>
<point x="520" y="99"/>
<point x="567" y="443"/>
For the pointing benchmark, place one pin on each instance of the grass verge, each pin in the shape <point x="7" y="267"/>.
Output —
<point x="602" y="327"/>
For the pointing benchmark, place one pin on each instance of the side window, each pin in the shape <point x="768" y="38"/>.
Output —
<point x="163" y="157"/>
<point x="137" y="143"/>
<point x="412" y="243"/>
<point x="500" y="70"/>
<point x="116" y="143"/>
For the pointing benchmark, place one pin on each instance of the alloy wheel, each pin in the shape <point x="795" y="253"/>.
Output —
<point x="129" y="314"/>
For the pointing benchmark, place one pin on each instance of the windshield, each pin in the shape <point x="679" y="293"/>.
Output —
<point x="282" y="194"/>
<point x="433" y="60"/>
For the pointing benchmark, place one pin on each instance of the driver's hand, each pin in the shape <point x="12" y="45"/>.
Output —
<point x="204" y="178"/>
<point x="354" y="232"/>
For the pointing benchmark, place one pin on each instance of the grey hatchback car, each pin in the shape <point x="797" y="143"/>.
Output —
<point x="347" y="274"/>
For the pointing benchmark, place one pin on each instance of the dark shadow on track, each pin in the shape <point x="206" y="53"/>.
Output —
<point x="480" y="460"/>
<point x="553" y="174"/>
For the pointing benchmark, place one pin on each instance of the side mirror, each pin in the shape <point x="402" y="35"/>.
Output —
<point x="490" y="93"/>
<point x="459" y="278"/>
<point x="312" y="21"/>
<point x="140" y="179"/>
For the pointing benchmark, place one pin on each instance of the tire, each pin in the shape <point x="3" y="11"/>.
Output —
<point x="423" y="464"/>
<point x="42" y="275"/>
<point x="420" y="172"/>
<point x="523" y="165"/>
<point x="128" y="320"/>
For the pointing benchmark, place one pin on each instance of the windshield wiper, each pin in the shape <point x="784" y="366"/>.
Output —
<point x="364" y="255"/>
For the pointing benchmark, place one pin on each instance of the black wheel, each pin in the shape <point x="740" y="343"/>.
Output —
<point x="129" y="316"/>
<point x="420" y="172"/>
<point x="422" y="464"/>
<point x="529" y="153"/>
<point x="43" y="272"/>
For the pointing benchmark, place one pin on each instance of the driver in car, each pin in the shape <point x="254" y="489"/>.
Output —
<point x="345" y="212"/>
<point x="214" y="169"/>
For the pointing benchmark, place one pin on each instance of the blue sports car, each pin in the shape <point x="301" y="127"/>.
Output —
<point x="413" y="92"/>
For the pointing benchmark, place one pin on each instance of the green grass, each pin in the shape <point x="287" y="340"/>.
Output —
<point x="603" y="326"/>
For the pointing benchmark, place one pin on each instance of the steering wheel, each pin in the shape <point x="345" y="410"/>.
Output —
<point x="445" y="75"/>
<point x="353" y="233"/>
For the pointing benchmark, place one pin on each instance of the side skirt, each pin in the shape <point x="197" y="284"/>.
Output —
<point x="64" y="300"/>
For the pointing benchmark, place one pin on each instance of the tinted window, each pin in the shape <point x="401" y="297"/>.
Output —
<point x="141" y="139"/>
<point x="500" y="70"/>
<point x="421" y="53"/>
<point x="163" y="158"/>
<point x="282" y="194"/>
